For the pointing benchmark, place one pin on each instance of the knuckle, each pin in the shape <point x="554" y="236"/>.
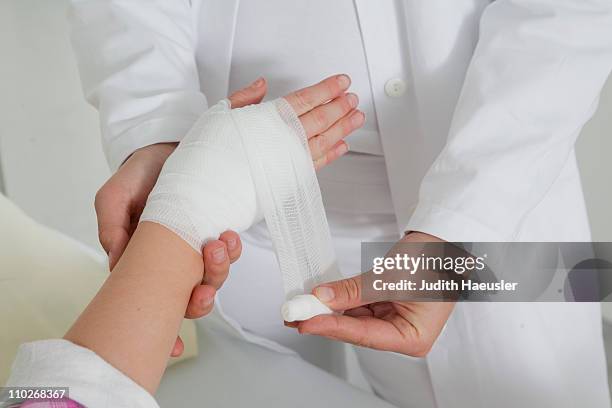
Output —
<point x="303" y="99"/>
<point x="320" y="118"/>
<point x="109" y="193"/>
<point x="99" y="197"/>
<point x="320" y="163"/>
<point x="336" y="326"/>
<point x="235" y="255"/>
<point x="351" y="289"/>
<point x="363" y="339"/>
<point x="239" y="95"/>
<point x="105" y="240"/>
<point x="216" y="272"/>
<point x="347" y="126"/>
<point x="322" y="142"/>
<point x="331" y="87"/>
<point x="215" y="277"/>
<point x="331" y="156"/>
<point x="421" y="349"/>
<point x="345" y="105"/>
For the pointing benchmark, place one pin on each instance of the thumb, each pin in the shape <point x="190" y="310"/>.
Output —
<point x="114" y="239"/>
<point x="250" y="95"/>
<point x="341" y="295"/>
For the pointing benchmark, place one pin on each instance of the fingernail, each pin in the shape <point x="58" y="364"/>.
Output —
<point x="324" y="293"/>
<point x="343" y="148"/>
<point x="353" y="100"/>
<point x="344" y="81"/>
<point x="207" y="301"/>
<point x="357" y="119"/>
<point x="219" y="255"/>
<point x="231" y="243"/>
<point x="258" y="83"/>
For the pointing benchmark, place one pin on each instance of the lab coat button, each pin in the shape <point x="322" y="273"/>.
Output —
<point x="395" y="87"/>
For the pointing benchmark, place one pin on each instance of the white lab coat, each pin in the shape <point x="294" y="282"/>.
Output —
<point x="501" y="90"/>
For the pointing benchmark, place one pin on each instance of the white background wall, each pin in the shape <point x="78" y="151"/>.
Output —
<point x="50" y="149"/>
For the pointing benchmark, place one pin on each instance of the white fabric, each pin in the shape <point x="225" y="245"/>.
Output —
<point x="232" y="373"/>
<point x="263" y="154"/>
<point x="533" y="73"/>
<point x="534" y="81"/>
<point x="92" y="381"/>
<point x="357" y="184"/>
<point x="259" y="49"/>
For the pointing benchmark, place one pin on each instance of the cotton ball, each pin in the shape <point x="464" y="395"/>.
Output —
<point x="303" y="307"/>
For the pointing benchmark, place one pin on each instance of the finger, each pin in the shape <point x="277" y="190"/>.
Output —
<point x="178" y="348"/>
<point x="341" y="295"/>
<point x="324" y="116"/>
<point x="114" y="223"/>
<point x="334" y="153"/>
<point x="307" y="99"/>
<point x="233" y="244"/>
<point x="319" y="145"/>
<point x="250" y="95"/>
<point x="364" y="331"/>
<point x="201" y="302"/>
<point x="216" y="263"/>
<point x="114" y="240"/>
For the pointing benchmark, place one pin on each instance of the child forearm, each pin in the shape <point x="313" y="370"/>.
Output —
<point x="134" y="319"/>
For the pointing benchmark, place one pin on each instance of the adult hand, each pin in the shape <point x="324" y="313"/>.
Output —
<point x="409" y="328"/>
<point x="327" y="113"/>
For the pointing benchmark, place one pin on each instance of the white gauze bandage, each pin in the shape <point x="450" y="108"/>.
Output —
<point x="237" y="166"/>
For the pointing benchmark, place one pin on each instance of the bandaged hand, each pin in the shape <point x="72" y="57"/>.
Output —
<point x="208" y="185"/>
<point x="120" y="201"/>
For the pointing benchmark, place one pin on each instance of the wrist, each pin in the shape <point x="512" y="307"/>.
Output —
<point x="156" y="252"/>
<point x="157" y="153"/>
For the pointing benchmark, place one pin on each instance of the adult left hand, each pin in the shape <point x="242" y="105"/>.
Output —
<point x="409" y="328"/>
<point x="328" y="114"/>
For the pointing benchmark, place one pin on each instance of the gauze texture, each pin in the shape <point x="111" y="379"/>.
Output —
<point x="236" y="166"/>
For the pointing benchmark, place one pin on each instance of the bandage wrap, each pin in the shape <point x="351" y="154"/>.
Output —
<point x="236" y="166"/>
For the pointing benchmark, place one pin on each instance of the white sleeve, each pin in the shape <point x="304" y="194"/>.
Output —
<point x="137" y="64"/>
<point x="534" y="81"/>
<point x="90" y="380"/>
